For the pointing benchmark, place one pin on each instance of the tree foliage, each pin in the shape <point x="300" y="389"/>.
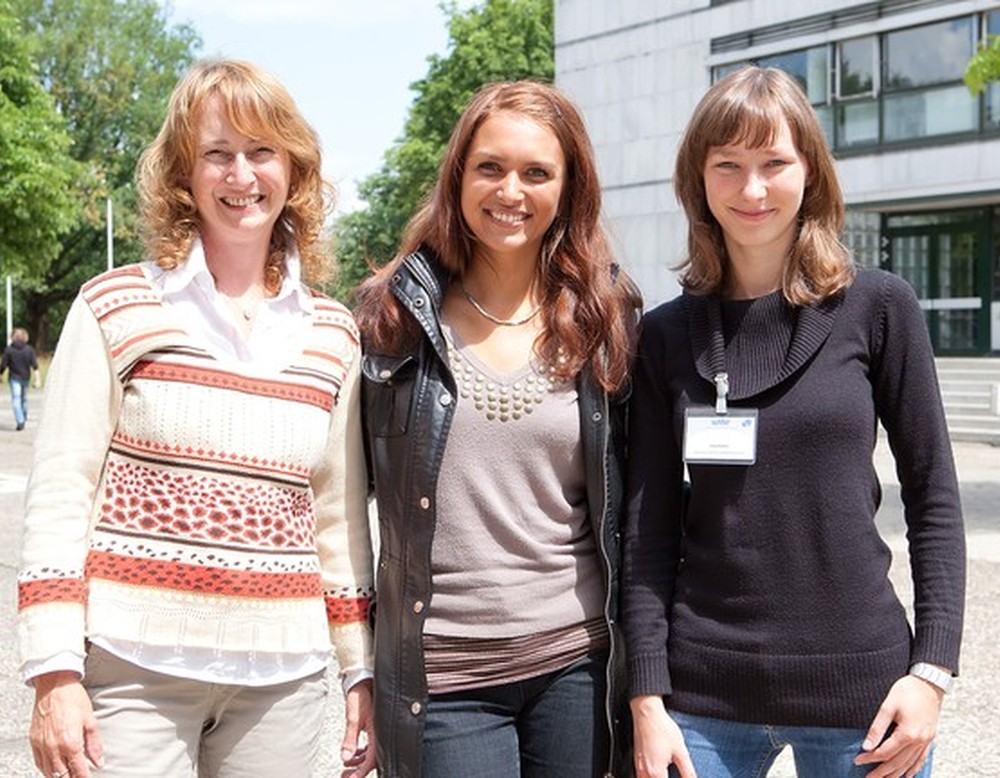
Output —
<point x="109" y="66"/>
<point x="984" y="67"/>
<point x="495" y="41"/>
<point x="36" y="171"/>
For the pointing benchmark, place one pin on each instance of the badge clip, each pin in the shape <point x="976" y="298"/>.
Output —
<point x="721" y="390"/>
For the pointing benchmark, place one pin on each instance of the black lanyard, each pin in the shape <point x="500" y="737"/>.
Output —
<point x="717" y="354"/>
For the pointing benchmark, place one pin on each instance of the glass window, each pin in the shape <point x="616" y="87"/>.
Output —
<point x="957" y="254"/>
<point x="930" y="219"/>
<point x="721" y="71"/>
<point x="992" y="93"/>
<point x="911" y="260"/>
<point x="996" y="262"/>
<point x="992" y="98"/>
<point x="824" y="113"/>
<point x="906" y="53"/>
<point x="810" y="67"/>
<point x="932" y="112"/>
<point x="993" y="23"/>
<point x="896" y="86"/>
<point x="861" y="236"/>
<point x="956" y="277"/>
<point x="856" y="75"/>
<point x="957" y="330"/>
<point x="857" y="123"/>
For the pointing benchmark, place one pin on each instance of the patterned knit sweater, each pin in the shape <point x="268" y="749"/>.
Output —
<point x="181" y="499"/>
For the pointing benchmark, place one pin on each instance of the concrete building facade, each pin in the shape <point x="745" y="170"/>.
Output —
<point x="918" y="154"/>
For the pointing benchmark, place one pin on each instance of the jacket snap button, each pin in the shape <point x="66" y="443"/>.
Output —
<point x="415" y="708"/>
<point x="425" y="502"/>
<point x="445" y="399"/>
<point x="597" y="416"/>
<point x="418" y="606"/>
<point x="418" y="302"/>
<point x="384" y="373"/>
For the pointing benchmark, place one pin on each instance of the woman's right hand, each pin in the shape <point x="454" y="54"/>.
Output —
<point x="63" y="727"/>
<point x="658" y="740"/>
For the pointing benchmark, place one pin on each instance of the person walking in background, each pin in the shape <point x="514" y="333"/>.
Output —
<point x="497" y="349"/>
<point x="19" y="360"/>
<point x="757" y="606"/>
<point x="196" y="532"/>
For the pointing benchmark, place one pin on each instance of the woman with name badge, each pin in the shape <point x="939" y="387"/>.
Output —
<point x="757" y="605"/>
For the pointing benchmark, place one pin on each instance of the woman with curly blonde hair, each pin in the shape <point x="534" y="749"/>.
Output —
<point x="254" y="101"/>
<point x="196" y="537"/>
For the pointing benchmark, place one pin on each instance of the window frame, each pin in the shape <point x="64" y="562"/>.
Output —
<point x="830" y="110"/>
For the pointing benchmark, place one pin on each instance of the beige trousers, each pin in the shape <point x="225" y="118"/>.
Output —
<point x="159" y="726"/>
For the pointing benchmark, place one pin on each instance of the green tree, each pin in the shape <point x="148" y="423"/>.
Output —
<point x="109" y="66"/>
<point x="36" y="171"/>
<point x="984" y="67"/>
<point x="494" y="41"/>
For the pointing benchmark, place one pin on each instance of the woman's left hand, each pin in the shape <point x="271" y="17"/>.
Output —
<point x="914" y="707"/>
<point x="358" y="757"/>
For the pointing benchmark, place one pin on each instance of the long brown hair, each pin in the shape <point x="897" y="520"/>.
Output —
<point x="586" y="312"/>
<point x="747" y="107"/>
<point x="259" y="106"/>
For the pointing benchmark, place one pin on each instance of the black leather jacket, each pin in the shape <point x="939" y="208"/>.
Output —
<point x="409" y="402"/>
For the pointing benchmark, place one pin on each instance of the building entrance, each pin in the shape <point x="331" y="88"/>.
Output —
<point x="946" y="257"/>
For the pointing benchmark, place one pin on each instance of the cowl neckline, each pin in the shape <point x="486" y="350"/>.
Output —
<point x="770" y="339"/>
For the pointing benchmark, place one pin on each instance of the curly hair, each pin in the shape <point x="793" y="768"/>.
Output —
<point x="589" y="308"/>
<point x="258" y="106"/>
<point x="748" y="107"/>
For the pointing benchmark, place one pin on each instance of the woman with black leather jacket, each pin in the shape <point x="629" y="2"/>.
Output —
<point x="498" y="344"/>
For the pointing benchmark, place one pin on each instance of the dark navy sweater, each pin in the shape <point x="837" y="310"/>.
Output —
<point x="769" y="600"/>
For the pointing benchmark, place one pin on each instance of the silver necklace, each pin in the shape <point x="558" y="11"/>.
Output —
<point x="496" y="319"/>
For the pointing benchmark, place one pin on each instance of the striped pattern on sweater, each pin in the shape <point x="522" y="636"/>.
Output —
<point x="204" y="530"/>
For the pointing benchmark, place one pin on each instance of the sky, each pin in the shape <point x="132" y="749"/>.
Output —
<point x="347" y="63"/>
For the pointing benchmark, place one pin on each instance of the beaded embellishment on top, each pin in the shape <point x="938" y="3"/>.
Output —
<point x="496" y="400"/>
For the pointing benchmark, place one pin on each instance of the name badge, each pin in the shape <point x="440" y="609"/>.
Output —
<point x="712" y="438"/>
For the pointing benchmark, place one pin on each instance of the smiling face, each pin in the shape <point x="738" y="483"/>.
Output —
<point x="755" y="194"/>
<point x="511" y="185"/>
<point x="240" y="184"/>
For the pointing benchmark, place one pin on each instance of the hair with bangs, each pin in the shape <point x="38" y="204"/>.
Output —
<point x="260" y="107"/>
<point x="586" y="310"/>
<point x="747" y="108"/>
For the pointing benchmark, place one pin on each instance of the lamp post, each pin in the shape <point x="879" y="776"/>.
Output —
<point x="10" y="315"/>
<point x="111" y="240"/>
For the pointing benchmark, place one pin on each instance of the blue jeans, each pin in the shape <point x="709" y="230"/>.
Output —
<point x="551" y="726"/>
<point x="729" y="749"/>
<point x="19" y="399"/>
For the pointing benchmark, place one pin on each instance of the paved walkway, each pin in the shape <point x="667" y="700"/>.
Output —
<point x="970" y="730"/>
